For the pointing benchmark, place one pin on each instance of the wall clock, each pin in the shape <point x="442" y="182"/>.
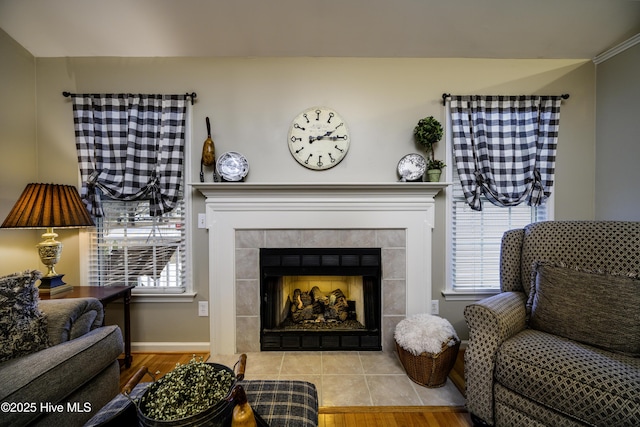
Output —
<point x="318" y="138"/>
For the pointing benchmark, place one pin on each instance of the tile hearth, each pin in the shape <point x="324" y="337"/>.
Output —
<point x="347" y="378"/>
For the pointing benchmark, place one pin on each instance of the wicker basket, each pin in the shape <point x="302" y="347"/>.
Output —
<point x="430" y="369"/>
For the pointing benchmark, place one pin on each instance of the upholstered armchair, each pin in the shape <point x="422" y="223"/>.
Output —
<point x="560" y="345"/>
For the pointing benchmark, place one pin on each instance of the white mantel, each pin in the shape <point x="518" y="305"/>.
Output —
<point x="284" y="206"/>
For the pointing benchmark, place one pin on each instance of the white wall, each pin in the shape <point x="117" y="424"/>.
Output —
<point x="251" y="102"/>
<point x="617" y="194"/>
<point x="18" y="151"/>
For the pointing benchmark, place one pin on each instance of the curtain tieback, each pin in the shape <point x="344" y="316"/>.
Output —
<point x="155" y="197"/>
<point x="476" y="203"/>
<point x="92" y="179"/>
<point x="537" y="190"/>
<point x="92" y="197"/>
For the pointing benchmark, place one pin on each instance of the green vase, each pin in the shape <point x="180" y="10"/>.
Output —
<point x="433" y="175"/>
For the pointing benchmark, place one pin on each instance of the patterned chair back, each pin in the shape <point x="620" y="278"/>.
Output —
<point x="608" y="246"/>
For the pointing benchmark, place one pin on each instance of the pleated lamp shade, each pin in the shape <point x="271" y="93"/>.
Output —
<point x="48" y="206"/>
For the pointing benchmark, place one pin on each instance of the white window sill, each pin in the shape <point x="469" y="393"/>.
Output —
<point x="468" y="295"/>
<point x="149" y="296"/>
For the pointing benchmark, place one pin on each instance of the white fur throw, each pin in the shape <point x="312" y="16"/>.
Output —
<point x="424" y="333"/>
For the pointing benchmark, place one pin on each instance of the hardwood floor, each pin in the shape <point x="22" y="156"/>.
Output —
<point x="358" y="416"/>
<point x="413" y="416"/>
<point x="155" y="362"/>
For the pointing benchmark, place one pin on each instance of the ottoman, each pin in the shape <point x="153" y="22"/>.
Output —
<point x="279" y="403"/>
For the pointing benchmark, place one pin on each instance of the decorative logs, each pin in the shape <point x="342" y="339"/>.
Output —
<point x="315" y="306"/>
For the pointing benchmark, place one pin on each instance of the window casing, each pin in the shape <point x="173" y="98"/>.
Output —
<point x="474" y="237"/>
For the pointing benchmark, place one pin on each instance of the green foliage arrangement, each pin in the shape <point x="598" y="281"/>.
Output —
<point x="435" y="164"/>
<point x="427" y="133"/>
<point x="186" y="391"/>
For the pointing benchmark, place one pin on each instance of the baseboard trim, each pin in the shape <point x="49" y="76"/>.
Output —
<point x="169" y="347"/>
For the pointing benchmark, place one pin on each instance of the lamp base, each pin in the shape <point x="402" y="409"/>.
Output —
<point x="53" y="285"/>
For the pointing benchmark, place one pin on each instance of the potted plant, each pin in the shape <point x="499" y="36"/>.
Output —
<point x="434" y="170"/>
<point x="427" y="133"/>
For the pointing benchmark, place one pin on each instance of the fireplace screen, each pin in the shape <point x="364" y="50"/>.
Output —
<point x="320" y="299"/>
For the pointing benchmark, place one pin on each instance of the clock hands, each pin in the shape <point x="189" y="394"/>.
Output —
<point x="327" y="134"/>
<point x="318" y="138"/>
<point x="331" y="138"/>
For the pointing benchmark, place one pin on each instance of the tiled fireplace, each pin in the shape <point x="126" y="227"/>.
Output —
<point x="320" y="299"/>
<point x="242" y="218"/>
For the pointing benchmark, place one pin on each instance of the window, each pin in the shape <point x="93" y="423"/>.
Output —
<point x="131" y="150"/>
<point x="131" y="247"/>
<point x="474" y="237"/>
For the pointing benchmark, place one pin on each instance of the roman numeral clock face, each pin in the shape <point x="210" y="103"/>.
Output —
<point x="318" y="138"/>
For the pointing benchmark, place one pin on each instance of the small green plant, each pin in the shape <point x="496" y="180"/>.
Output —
<point x="435" y="164"/>
<point x="428" y="132"/>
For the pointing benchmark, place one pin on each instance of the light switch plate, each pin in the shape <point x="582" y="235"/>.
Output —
<point x="203" y="308"/>
<point x="435" y="307"/>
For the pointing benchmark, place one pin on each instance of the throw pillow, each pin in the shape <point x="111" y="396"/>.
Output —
<point x="590" y="307"/>
<point x="23" y="327"/>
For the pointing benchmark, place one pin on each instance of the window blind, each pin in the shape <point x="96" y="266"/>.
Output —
<point x="477" y="236"/>
<point x="131" y="247"/>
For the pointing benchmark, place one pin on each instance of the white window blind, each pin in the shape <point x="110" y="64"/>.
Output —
<point x="476" y="239"/>
<point x="131" y="247"/>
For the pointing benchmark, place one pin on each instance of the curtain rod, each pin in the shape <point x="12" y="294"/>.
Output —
<point x="448" y="95"/>
<point x="191" y="95"/>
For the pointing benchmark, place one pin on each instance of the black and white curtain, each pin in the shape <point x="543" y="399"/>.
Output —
<point x="505" y="147"/>
<point x="130" y="147"/>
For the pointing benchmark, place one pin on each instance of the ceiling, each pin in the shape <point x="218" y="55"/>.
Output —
<point x="571" y="29"/>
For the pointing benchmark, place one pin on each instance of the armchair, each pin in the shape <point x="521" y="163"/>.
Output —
<point x="560" y="345"/>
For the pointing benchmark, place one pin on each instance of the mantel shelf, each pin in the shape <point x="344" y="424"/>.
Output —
<point x="213" y="189"/>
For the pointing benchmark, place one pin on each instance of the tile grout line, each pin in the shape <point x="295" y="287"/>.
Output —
<point x="366" y="381"/>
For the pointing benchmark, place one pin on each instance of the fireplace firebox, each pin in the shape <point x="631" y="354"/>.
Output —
<point x="325" y="299"/>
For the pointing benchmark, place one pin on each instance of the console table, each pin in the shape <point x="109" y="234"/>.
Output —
<point x="105" y="294"/>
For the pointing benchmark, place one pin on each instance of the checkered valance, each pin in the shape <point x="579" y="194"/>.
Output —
<point x="130" y="147"/>
<point x="505" y="147"/>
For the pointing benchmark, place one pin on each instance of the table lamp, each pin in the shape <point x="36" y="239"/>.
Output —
<point x="49" y="206"/>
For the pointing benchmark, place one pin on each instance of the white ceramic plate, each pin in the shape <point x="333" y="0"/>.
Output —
<point x="232" y="166"/>
<point x="411" y="167"/>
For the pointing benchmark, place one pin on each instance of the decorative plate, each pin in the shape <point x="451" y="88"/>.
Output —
<point x="411" y="167"/>
<point x="232" y="166"/>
